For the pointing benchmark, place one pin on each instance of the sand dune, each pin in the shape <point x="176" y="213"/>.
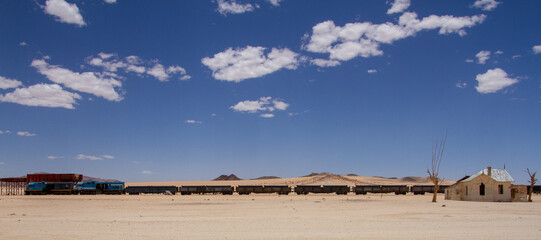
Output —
<point x="317" y="179"/>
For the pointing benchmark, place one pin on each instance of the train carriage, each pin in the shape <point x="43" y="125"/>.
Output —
<point x="136" y="190"/>
<point x="338" y="189"/>
<point x="397" y="189"/>
<point x="57" y="188"/>
<point x="279" y="189"/>
<point x="222" y="189"/>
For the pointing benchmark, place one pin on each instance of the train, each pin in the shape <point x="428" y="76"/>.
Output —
<point x="95" y="187"/>
<point x="67" y="188"/>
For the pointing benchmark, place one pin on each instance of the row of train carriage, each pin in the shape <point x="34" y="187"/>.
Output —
<point x="285" y="189"/>
<point x="93" y="187"/>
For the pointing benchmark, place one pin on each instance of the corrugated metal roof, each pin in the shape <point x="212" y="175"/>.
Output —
<point x="499" y="175"/>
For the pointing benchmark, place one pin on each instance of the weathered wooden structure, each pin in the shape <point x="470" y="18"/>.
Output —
<point x="12" y="186"/>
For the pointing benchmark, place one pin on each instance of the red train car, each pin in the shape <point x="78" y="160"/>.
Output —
<point x="52" y="177"/>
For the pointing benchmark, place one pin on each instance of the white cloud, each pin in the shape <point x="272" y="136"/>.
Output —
<point x="105" y="55"/>
<point x="88" y="157"/>
<point x="158" y="72"/>
<point x="6" y="83"/>
<point x="275" y="3"/>
<point x="253" y="106"/>
<point x="249" y="62"/>
<point x="23" y="44"/>
<point x="43" y="95"/>
<point x="146" y="172"/>
<point x="372" y="71"/>
<point x="280" y="105"/>
<point x="399" y="6"/>
<point x="536" y="49"/>
<point x="111" y="66"/>
<point x="264" y="105"/>
<point x="108" y="156"/>
<point x="26" y="134"/>
<point x="87" y="82"/>
<point x="324" y="62"/>
<point x="498" y="52"/>
<point x="64" y="12"/>
<point x="267" y="115"/>
<point x="493" y="80"/>
<point x="135" y="162"/>
<point x="54" y="157"/>
<point x="110" y="1"/>
<point x="470" y="60"/>
<point x="486" y="5"/>
<point x="461" y="85"/>
<point x="111" y="63"/>
<point x="232" y="7"/>
<point x="482" y="57"/>
<point x="516" y="56"/>
<point x="364" y="38"/>
<point x="176" y="69"/>
<point x="193" y="122"/>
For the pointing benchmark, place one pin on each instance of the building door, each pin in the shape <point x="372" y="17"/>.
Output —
<point x="482" y="189"/>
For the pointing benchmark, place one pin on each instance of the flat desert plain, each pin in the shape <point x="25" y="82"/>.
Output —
<point x="264" y="216"/>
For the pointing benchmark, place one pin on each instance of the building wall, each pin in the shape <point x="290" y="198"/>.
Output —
<point x="470" y="191"/>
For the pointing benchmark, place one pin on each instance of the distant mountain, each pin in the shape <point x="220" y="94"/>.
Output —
<point x="224" y="177"/>
<point x="315" y="174"/>
<point x="267" y="177"/>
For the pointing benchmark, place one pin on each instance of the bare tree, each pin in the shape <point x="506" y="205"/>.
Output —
<point x="532" y="182"/>
<point x="438" y="148"/>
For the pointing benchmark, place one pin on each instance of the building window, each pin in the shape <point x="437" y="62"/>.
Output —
<point x="466" y="190"/>
<point x="482" y="189"/>
<point x="500" y="189"/>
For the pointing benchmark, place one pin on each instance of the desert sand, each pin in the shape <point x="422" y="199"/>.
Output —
<point x="267" y="216"/>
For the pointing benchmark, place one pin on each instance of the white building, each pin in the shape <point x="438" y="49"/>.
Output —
<point x="488" y="185"/>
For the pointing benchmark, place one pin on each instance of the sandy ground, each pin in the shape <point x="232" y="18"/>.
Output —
<point x="265" y="216"/>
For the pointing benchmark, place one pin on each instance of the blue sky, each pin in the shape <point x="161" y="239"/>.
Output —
<point x="189" y="90"/>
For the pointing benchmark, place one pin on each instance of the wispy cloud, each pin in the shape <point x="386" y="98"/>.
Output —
<point x="536" y="49"/>
<point x="482" y="57"/>
<point x="233" y="7"/>
<point x="263" y="104"/>
<point x="193" y="122"/>
<point x="54" y="157"/>
<point x="486" y="5"/>
<point x="399" y="6"/>
<point x="94" y="158"/>
<point x="26" y="134"/>
<point x="146" y="172"/>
